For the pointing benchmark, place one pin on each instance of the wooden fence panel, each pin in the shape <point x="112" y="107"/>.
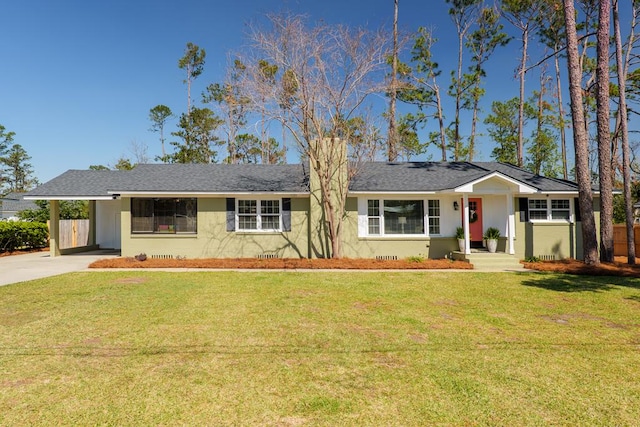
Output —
<point x="74" y="233"/>
<point x="620" y="239"/>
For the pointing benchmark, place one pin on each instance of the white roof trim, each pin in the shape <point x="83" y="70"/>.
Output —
<point x="204" y="193"/>
<point x="68" y="197"/>
<point x="522" y="187"/>
<point x="410" y="193"/>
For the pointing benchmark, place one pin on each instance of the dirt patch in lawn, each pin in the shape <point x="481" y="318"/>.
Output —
<point x="283" y="263"/>
<point x="572" y="266"/>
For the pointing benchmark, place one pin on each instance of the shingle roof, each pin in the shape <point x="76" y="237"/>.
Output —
<point x="13" y="202"/>
<point x="217" y="178"/>
<point x="175" y="178"/>
<point x="441" y="176"/>
<point x="247" y="178"/>
<point x="80" y="183"/>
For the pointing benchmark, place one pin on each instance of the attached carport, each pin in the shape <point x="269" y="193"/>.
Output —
<point x="104" y="208"/>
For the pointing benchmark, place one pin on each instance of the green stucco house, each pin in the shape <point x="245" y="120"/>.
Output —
<point x="393" y="210"/>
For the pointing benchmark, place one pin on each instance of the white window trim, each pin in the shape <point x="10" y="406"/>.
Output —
<point x="549" y="218"/>
<point x="363" y="217"/>
<point x="259" y="228"/>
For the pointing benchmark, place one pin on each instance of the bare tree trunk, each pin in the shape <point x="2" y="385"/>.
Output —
<point x="456" y="135"/>
<point x="443" y="136"/>
<point x="392" y="141"/>
<point x="561" y="127"/>
<point x="523" y="66"/>
<point x="626" y="152"/>
<point x="604" y="133"/>
<point x="580" y="138"/>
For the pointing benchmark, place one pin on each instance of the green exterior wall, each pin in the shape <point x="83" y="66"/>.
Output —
<point x="558" y="240"/>
<point x="212" y="240"/>
<point x="401" y="247"/>
<point x="551" y="240"/>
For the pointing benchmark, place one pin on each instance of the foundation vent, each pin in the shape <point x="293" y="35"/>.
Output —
<point x="547" y="257"/>
<point x="161" y="256"/>
<point x="268" y="256"/>
<point x="386" y="257"/>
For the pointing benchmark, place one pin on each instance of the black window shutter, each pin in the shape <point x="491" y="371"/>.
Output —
<point x="524" y="209"/>
<point x="286" y="214"/>
<point x="231" y="214"/>
<point x="576" y="209"/>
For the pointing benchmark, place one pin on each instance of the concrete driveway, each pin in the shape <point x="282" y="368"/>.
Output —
<point x="20" y="268"/>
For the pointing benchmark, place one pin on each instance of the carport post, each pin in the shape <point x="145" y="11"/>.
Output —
<point x="54" y="228"/>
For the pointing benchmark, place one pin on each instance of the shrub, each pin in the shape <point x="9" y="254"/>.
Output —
<point x="492" y="233"/>
<point x="22" y="235"/>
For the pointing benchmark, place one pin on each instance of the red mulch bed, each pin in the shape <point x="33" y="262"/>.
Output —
<point x="572" y="266"/>
<point x="22" y="251"/>
<point x="283" y="263"/>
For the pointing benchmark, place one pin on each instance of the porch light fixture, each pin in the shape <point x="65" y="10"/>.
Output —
<point x="455" y="206"/>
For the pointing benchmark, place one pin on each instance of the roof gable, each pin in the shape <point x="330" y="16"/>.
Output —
<point x="447" y="176"/>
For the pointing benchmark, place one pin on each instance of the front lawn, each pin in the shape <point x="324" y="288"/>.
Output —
<point x="341" y="348"/>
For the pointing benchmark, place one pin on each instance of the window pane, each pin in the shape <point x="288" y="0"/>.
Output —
<point x="247" y="222"/>
<point x="270" y="222"/>
<point x="560" y="204"/>
<point x="164" y="213"/>
<point x="403" y="217"/>
<point x="538" y="209"/>
<point x="434" y="216"/>
<point x="142" y="215"/>
<point x="186" y="215"/>
<point x="373" y="207"/>
<point x="434" y="225"/>
<point x="247" y="207"/>
<point x="270" y="207"/>
<point x="374" y="225"/>
<point x="537" y="204"/>
<point x="560" y="209"/>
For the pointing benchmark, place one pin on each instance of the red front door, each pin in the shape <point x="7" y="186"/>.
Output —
<point x="475" y="221"/>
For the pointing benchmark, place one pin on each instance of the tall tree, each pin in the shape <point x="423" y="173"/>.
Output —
<point x="580" y="138"/>
<point x="523" y="14"/>
<point x="420" y="88"/>
<point x="604" y="133"/>
<point x="197" y="131"/>
<point x="267" y="73"/>
<point x="623" y="131"/>
<point x="463" y="13"/>
<point x="502" y="126"/>
<point x="6" y="139"/>
<point x="159" y="115"/>
<point x="542" y="150"/>
<point x="551" y="31"/>
<point x="392" y="139"/>
<point x="233" y="106"/>
<point x="193" y="63"/>
<point x="482" y="43"/>
<point x="19" y="170"/>
<point x="333" y="70"/>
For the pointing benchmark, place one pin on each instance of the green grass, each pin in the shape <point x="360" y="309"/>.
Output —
<point x="266" y="348"/>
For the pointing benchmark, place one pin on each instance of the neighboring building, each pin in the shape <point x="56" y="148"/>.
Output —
<point x="12" y="204"/>
<point x="393" y="210"/>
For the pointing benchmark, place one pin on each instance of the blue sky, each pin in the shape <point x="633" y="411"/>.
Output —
<point x="79" y="77"/>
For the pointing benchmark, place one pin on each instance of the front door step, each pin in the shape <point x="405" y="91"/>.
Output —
<point x="483" y="260"/>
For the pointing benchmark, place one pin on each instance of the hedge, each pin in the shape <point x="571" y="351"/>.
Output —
<point x="22" y="235"/>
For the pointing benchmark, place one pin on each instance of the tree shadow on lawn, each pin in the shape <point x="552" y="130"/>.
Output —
<point x="576" y="283"/>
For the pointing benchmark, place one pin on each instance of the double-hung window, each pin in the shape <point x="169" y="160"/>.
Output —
<point x="259" y="215"/>
<point x="549" y="210"/>
<point x="164" y="215"/>
<point x="389" y="217"/>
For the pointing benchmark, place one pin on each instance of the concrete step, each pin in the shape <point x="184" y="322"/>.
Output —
<point x="499" y="261"/>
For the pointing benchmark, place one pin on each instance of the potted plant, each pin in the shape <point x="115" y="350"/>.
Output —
<point x="491" y="236"/>
<point x="460" y="237"/>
